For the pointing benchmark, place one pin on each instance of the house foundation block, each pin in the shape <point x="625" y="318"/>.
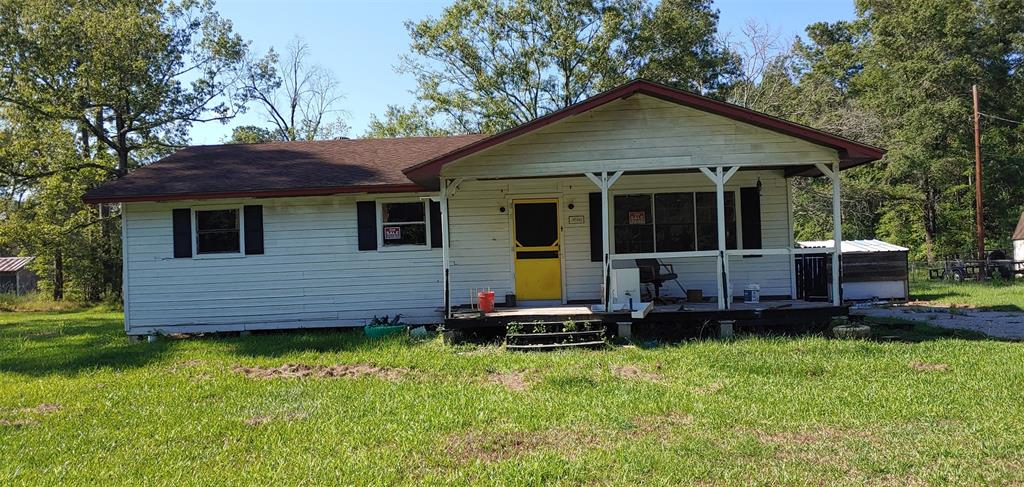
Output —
<point x="625" y="330"/>
<point x="725" y="328"/>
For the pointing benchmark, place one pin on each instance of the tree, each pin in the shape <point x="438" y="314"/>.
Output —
<point x="300" y="100"/>
<point x="106" y="85"/>
<point x="899" y="75"/>
<point x="678" y="45"/>
<point x="47" y="218"/>
<point x="405" y="122"/>
<point x="487" y="65"/>
<point x="250" y="134"/>
<point x="132" y="76"/>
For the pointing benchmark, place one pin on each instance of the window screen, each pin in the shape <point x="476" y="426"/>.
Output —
<point x="403" y="224"/>
<point x="217" y="231"/>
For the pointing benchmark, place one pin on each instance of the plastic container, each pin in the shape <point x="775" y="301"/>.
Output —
<point x="485" y="301"/>
<point x="752" y="294"/>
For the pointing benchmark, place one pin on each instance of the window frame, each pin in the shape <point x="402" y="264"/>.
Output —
<point x="218" y="255"/>
<point x="654" y="220"/>
<point x="381" y="247"/>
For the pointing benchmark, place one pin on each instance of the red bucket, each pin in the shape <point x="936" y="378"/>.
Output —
<point x="485" y="301"/>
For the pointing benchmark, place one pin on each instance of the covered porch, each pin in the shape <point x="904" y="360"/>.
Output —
<point x="587" y="257"/>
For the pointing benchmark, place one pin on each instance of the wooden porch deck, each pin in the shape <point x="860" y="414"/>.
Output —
<point x="774" y="310"/>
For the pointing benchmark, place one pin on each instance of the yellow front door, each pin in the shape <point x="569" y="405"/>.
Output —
<point x="538" y="263"/>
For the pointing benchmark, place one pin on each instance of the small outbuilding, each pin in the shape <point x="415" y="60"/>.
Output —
<point x="15" y="276"/>
<point x="872" y="269"/>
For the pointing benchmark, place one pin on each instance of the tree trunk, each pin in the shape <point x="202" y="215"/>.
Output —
<point x="58" y="275"/>
<point x="930" y="223"/>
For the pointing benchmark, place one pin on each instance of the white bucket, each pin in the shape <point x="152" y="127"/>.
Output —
<point x="752" y="294"/>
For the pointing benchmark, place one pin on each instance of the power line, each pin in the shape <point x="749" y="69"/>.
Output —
<point x="997" y="117"/>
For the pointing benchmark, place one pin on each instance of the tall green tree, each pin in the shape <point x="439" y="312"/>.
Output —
<point x="124" y="80"/>
<point x="486" y="65"/>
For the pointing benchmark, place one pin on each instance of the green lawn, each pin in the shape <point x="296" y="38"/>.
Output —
<point x="1004" y="296"/>
<point x="80" y="405"/>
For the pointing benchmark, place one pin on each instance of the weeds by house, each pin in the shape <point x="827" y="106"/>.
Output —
<point x="37" y="302"/>
<point x="80" y="405"/>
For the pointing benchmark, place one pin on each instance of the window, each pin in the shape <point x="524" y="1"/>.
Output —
<point x="634" y="224"/>
<point x="218" y="231"/>
<point x="679" y="222"/>
<point x="403" y="224"/>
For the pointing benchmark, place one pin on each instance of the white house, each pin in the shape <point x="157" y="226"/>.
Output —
<point x="332" y="233"/>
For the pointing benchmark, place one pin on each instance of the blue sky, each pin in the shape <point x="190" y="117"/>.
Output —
<point x="361" y="41"/>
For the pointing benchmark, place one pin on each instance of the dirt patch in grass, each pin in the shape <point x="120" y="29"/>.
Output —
<point x="632" y="372"/>
<point x="660" y="425"/>
<point x="29" y="416"/>
<point x="926" y="367"/>
<point x="288" y="371"/>
<point x="492" y="446"/>
<point x="818" y="446"/>
<point x="515" y="381"/>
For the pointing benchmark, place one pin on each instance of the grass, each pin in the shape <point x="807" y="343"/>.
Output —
<point x="79" y="404"/>
<point x="996" y="295"/>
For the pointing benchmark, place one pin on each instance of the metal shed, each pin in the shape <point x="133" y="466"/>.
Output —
<point x="872" y="269"/>
<point x="15" y="276"/>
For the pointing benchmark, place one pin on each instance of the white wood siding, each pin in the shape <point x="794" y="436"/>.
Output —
<point x="481" y="255"/>
<point x="312" y="273"/>
<point x="638" y="133"/>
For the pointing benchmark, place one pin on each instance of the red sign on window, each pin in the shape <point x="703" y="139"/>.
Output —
<point x="392" y="233"/>
<point x="637" y="217"/>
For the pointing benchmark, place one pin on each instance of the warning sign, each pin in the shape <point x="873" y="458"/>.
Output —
<point x="392" y="233"/>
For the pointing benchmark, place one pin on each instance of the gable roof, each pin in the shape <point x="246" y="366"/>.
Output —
<point x="14" y="264"/>
<point x="1018" y="233"/>
<point x="851" y="153"/>
<point x="310" y="168"/>
<point x="303" y="168"/>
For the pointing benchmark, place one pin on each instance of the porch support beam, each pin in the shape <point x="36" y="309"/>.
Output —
<point x="837" y="232"/>
<point x="720" y="177"/>
<point x="605" y="182"/>
<point x="445" y="251"/>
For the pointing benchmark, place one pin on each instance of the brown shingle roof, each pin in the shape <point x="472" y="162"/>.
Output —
<point x="279" y="169"/>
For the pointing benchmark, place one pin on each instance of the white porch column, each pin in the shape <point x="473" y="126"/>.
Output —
<point x="604" y="182"/>
<point x="837" y="232"/>
<point x="445" y="251"/>
<point x="722" y="267"/>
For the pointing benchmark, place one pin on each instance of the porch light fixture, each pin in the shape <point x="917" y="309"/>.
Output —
<point x="759" y="185"/>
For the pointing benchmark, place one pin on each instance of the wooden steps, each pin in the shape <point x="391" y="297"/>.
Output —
<point x="590" y="334"/>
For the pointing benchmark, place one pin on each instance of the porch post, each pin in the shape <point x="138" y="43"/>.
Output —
<point x="604" y="182"/>
<point x="722" y="261"/>
<point x="444" y="247"/>
<point x="837" y="239"/>
<point x="837" y="232"/>
<point x="605" y="244"/>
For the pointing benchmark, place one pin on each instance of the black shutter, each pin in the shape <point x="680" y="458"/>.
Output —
<point x="182" y="232"/>
<point x="596" y="238"/>
<point x="750" y="206"/>
<point x="366" y="221"/>
<point x="253" y="229"/>
<point x="435" y="225"/>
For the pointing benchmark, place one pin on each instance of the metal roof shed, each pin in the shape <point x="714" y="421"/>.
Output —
<point x="872" y="269"/>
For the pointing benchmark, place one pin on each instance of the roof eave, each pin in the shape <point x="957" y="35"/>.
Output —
<point x="275" y="193"/>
